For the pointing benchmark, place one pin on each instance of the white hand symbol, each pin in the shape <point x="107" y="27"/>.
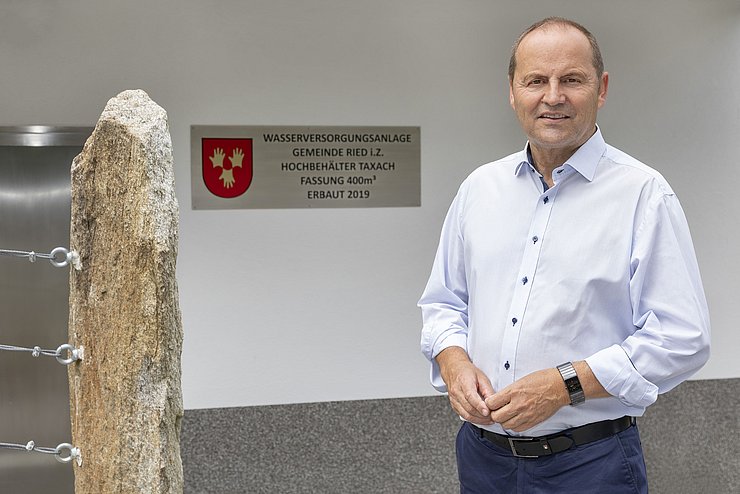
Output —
<point x="236" y="158"/>
<point x="228" y="178"/>
<point x="218" y="158"/>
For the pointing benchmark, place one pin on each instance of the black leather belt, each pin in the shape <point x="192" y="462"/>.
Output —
<point x="534" y="447"/>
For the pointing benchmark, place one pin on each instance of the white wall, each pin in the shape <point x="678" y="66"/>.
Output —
<point x="284" y="306"/>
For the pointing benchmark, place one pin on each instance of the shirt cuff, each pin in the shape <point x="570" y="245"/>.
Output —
<point x="614" y="370"/>
<point x="456" y="339"/>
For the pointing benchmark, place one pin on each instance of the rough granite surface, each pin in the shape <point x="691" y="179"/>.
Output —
<point x="407" y="445"/>
<point x="126" y="399"/>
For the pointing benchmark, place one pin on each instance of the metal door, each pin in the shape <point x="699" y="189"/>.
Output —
<point x="34" y="303"/>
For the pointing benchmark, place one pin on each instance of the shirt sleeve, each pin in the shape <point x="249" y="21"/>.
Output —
<point x="670" y="315"/>
<point x="444" y="303"/>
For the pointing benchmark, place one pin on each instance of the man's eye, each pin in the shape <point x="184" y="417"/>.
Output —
<point x="572" y="80"/>
<point x="536" y="82"/>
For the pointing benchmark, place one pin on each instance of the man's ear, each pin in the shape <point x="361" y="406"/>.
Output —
<point x="603" y="88"/>
<point x="511" y="94"/>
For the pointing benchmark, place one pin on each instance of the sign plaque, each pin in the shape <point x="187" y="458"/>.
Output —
<point x="265" y="167"/>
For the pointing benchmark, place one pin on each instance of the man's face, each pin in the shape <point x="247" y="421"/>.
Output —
<point x="555" y="90"/>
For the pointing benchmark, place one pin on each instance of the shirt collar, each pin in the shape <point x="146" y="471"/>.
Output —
<point x="584" y="160"/>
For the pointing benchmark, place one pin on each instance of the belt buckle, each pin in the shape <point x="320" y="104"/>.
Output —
<point x="514" y="440"/>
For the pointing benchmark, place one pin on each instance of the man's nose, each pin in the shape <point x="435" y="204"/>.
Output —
<point x="553" y="93"/>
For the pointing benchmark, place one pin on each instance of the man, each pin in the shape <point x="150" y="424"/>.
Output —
<point x="565" y="293"/>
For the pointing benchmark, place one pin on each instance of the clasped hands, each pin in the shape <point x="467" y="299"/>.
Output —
<point x="518" y="407"/>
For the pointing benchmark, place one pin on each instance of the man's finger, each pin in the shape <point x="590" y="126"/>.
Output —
<point x="498" y="400"/>
<point x="473" y="403"/>
<point x="485" y="389"/>
<point x="476" y="402"/>
<point x="503" y="415"/>
<point x="468" y="412"/>
<point x="468" y="398"/>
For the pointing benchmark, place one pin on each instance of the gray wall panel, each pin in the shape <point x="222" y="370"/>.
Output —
<point x="407" y="445"/>
<point x="401" y="445"/>
<point x="690" y="438"/>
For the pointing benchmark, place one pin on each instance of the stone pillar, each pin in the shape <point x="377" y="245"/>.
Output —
<point x="126" y="398"/>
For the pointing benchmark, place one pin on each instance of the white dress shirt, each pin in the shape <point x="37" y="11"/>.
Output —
<point x="600" y="267"/>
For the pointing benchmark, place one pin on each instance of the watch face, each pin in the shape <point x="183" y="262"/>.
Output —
<point x="573" y="385"/>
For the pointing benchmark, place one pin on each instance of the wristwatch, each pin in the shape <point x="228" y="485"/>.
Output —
<point x="572" y="384"/>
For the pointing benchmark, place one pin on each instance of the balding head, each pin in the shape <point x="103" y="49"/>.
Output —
<point x="559" y="22"/>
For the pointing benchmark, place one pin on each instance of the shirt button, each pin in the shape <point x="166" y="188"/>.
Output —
<point x="535" y="239"/>
<point x="546" y="200"/>
<point x="525" y="280"/>
<point x="560" y="171"/>
<point x="506" y="365"/>
<point x="514" y="321"/>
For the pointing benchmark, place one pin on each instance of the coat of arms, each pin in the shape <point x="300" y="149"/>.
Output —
<point x="227" y="166"/>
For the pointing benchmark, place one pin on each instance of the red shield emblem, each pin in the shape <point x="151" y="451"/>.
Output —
<point x="227" y="166"/>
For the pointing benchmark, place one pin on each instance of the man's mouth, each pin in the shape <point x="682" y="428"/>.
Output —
<point x="554" y="116"/>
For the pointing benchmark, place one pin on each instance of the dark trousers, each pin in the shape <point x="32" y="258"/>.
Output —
<point x="614" y="465"/>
